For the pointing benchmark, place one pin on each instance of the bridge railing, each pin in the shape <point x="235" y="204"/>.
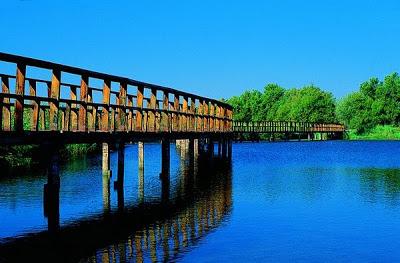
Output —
<point x="118" y="104"/>
<point x="285" y="126"/>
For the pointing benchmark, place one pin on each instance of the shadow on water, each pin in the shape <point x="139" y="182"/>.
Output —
<point x="156" y="230"/>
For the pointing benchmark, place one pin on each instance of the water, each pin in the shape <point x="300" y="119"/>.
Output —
<point x="295" y="201"/>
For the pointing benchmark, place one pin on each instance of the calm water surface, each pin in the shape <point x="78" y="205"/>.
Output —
<point x="295" y="201"/>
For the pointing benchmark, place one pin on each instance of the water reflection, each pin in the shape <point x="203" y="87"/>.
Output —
<point x="158" y="230"/>
<point x="380" y="183"/>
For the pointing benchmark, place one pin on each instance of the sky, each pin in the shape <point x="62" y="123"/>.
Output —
<point x="214" y="48"/>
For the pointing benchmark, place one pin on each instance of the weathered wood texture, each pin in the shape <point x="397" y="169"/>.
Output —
<point x="59" y="104"/>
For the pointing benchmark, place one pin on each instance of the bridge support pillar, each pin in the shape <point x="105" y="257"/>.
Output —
<point x="165" y="158"/>
<point x="309" y="136"/>
<point x="229" y="149"/>
<point x="191" y="150"/>
<point x="224" y="148"/>
<point x="165" y="169"/>
<point x="106" y="193"/>
<point x="51" y="195"/>
<point x="210" y="148"/>
<point x="121" y="165"/>
<point x="106" y="159"/>
<point x="219" y="148"/>
<point x="141" y="156"/>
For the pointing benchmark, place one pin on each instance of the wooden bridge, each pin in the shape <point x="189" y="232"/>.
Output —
<point x="289" y="128"/>
<point x="52" y="104"/>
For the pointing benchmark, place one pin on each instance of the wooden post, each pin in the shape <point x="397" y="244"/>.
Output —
<point x="139" y="104"/>
<point x="212" y="112"/>
<point x="121" y="165"/>
<point x="199" y="118"/>
<point x="185" y="111"/>
<point x="74" y="114"/>
<point x="106" y="160"/>
<point x="6" y="112"/>
<point x="164" y="118"/>
<point x="229" y="149"/>
<point x="35" y="106"/>
<point x="205" y="118"/>
<point x="121" y="110"/>
<point x="83" y="107"/>
<point x="141" y="155"/>
<point x="165" y="157"/>
<point x="52" y="188"/>
<point x="152" y="115"/>
<point x="193" y="112"/>
<point x="19" y="102"/>
<point x="175" y="125"/>
<point x="106" y="100"/>
<point x="55" y="95"/>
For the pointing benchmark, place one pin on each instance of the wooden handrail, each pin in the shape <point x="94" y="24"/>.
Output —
<point x="185" y="113"/>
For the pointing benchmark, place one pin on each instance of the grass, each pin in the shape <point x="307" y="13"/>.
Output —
<point x="380" y="132"/>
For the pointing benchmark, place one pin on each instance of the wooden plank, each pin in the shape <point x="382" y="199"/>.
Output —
<point x="139" y="104"/>
<point x="19" y="103"/>
<point x="82" y="122"/>
<point x="106" y="100"/>
<point x="35" y="107"/>
<point x="6" y="111"/>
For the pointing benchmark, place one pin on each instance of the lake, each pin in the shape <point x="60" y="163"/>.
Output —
<point x="285" y="201"/>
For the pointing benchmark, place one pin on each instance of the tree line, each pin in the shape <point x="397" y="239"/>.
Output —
<point x="375" y="103"/>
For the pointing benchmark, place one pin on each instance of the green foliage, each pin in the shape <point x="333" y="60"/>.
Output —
<point x="308" y="104"/>
<point x="380" y="132"/>
<point x="376" y="103"/>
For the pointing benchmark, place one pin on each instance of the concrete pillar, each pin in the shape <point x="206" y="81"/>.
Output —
<point x="106" y="159"/>
<point x="141" y="156"/>
<point x="51" y="196"/>
<point x="165" y="157"/>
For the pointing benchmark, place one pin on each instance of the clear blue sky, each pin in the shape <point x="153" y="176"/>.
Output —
<point x="213" y="49"/>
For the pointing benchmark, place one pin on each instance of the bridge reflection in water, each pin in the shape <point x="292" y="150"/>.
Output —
<point x="197" y="202"/>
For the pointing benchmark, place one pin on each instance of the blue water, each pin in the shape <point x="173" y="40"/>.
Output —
<point x="288" y="201"/>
